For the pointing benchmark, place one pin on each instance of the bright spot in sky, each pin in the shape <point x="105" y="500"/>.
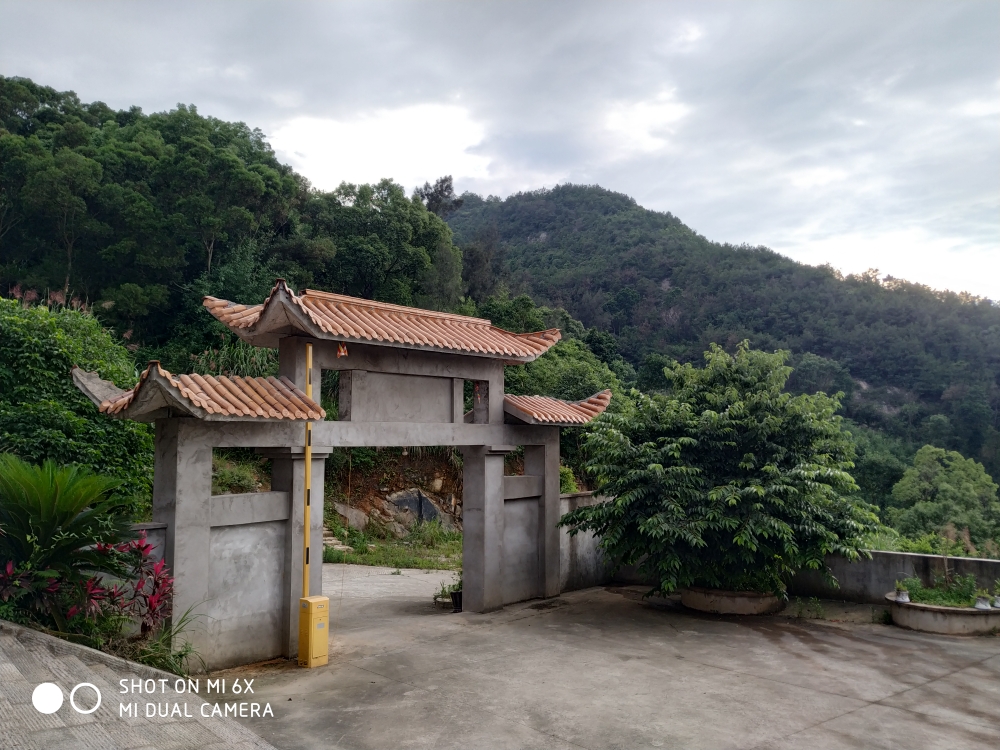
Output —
<point x="412" y="145"/>
<point x="643" y="126"/>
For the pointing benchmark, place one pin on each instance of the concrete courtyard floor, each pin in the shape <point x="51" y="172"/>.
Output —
<point x="601" y="668"/>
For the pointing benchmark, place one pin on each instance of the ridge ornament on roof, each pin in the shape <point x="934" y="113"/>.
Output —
<point x="213" y="399"/>
<point x="335" y="317"/>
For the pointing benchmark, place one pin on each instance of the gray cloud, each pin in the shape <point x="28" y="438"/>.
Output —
<point x="845" y="132"/>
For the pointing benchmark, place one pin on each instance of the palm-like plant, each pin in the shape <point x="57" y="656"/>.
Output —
<point x="57" y="525"/>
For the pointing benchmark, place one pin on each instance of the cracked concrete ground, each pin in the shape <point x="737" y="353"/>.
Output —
<point x="601" y="668"/>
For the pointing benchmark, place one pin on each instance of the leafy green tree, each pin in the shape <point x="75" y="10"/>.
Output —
<point x="727" y="481"/>
<point x="517" y="314"/>
<point x="58" y="193"/>
<point x="815" y="374"/>
<point x="880" y="461"/>
<point x="440" y="197"/>
<point x="44" y="416"/>
<point x="943" y="487"/>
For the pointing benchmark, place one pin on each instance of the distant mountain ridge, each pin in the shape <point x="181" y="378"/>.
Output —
<point x="662" y="288"/>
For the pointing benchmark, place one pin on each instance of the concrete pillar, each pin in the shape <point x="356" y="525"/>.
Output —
<point x="182" y="489"/>
<point x="288" y="475"/>
<point x="496" y="390"/>
<point x="457" y="400"/>
<point x="482" y="523"/>
<point x="543" y="460"/>
<point x="292" y="363"/>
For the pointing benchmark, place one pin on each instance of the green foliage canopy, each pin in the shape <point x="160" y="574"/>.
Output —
<point x="42" y="413"/>
<point x="727" y="481"/>
<point x="140" y="215"/>
<point x="943" y="487"/>
<point x="922" y="364"/>
<point x="54" y="522"/>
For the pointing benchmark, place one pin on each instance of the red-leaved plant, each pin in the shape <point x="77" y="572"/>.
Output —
<point x="145" y="600"/>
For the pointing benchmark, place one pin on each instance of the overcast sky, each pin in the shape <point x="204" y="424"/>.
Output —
<point x="860" y="134"/>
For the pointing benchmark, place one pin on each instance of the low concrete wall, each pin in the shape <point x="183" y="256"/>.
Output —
<point x="868" y="581"/>
<point x="582" y="564"/>
<point x="520" y="550"/>
<point x="245" y="611"/>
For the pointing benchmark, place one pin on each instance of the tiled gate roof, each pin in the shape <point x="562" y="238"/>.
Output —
<point x="203" y="396"/>
<point x="554" y="411"/>
<point x="333" y="316"/>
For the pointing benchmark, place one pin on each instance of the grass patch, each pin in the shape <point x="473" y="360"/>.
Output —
<point x="959" y="591"/>
<point x="428" y="546"/>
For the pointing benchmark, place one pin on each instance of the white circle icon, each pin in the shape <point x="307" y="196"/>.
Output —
<point x="47" y="698"/>
<point x="72" y="695"/>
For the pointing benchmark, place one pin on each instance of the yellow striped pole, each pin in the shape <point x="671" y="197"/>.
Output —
<point x="308" y="472"/>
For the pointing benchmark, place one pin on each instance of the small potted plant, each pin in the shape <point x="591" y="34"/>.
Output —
<point x="982" y="599"/>
<point x="456" y="594"/>
<point x="902" y="595"/>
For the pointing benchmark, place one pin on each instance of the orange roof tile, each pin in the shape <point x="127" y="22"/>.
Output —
<point x="202" y="396"/>
<point x="333" y="316"/>
<point x="553" y="411"/>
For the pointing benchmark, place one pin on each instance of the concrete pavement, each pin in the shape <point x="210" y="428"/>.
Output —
<point x="29" y="658"/>
<point x="600" y="668"/>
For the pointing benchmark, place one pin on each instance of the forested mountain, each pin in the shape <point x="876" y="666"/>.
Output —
<point x="920" y="364"/>
<point x="136" y="216"/>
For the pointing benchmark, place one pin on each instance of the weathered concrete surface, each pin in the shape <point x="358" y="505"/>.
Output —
<point x="582" y="563"/>
<point x="29" y="658"/>
<point x="600" y="668"/>
<point x="870" y="580"/>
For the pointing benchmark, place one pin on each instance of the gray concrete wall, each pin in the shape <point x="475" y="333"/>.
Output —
<point x="868" y="581"/>
<point x="246" y="593"/>
<point x="582" y="563"/>
<point x="520" y="550"/>
<point x="389" y="397"/>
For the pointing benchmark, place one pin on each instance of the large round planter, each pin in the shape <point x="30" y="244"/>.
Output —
<point x="930" y="618"/>
<point x="731" y="602"/>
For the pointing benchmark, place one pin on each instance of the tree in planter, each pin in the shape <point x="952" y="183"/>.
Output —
<point x="726" y="481"/>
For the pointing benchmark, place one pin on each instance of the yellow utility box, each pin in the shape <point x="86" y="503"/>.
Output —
<point x="314" y="627"/>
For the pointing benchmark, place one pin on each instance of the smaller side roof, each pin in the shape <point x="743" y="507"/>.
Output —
<point x="335" y="317"/>
<point x="544" y="410"/>
<point x="160" y="394"/>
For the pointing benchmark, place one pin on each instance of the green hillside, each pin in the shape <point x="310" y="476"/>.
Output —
<point x="137" y="216"/>
<point x="919" y="364"/>
<point x="131" y="218"/>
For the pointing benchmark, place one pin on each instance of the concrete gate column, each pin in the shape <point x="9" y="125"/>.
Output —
<point x="182" y="490"/>
<point x="482" y="524"/>
<point x="543" y="460"/>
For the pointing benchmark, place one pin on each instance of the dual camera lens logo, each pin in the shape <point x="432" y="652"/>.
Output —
<point x="47" y="698"/>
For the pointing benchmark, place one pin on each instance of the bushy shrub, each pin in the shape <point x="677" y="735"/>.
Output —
<point x="727" y="481"/>
<point x="70" y="564"/>
<point x="567" y="482"/>
<point x="42" y="413"/>
<point x="957" y="591"/>
<point x="233" y="476"/>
